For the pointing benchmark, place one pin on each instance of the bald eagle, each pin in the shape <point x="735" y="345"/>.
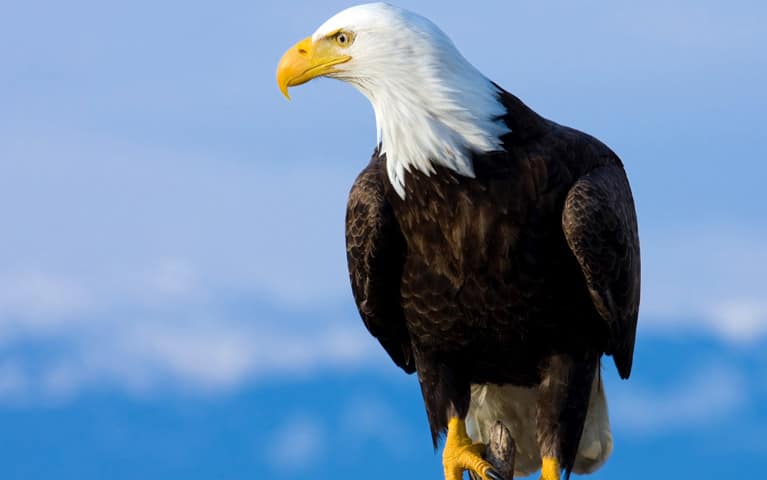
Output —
<point x="490" y="250"/>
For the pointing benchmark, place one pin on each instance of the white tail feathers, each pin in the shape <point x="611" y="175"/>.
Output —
<point x="515" y="407"/>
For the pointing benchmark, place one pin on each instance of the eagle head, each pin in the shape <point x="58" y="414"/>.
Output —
<point x="431" y="105"/>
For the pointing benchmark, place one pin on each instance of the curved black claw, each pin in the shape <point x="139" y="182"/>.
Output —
<point x="494" y="475"/>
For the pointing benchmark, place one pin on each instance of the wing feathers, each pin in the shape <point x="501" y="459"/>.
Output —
<point x="375" y="251"/>
<point x="600" y="224"/>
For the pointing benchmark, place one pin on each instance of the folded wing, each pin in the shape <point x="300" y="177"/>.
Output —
<point x="375" y="251"/>
<point x="599" y="221"/>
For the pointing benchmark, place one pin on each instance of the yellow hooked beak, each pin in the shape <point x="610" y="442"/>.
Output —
<point x="305" y="61"/>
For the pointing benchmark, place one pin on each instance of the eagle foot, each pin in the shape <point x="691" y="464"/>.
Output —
<point x="461" y="454"/>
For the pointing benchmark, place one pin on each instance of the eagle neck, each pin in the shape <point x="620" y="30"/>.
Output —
<point x="440" y="119"/>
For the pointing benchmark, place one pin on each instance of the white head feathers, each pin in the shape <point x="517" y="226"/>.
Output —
<point x="431" y="105"/>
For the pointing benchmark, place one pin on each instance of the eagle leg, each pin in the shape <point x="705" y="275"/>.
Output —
<point x="563" y="399"/>
<point x="461" y="454"/>
<point x="550" y="468"/>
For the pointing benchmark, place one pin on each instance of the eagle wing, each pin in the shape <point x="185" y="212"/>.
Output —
<point x="599" y="222"/>
<point x="375" y="251"/>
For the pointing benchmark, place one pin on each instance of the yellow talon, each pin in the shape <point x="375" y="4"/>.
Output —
<point x="550" y="469"/>
<point x="461" y="454"/>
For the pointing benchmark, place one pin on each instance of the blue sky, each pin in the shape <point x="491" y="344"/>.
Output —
<point x="173" y="290"/>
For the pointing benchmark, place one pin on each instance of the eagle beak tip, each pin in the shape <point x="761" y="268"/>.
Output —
<point x="284" y="89"/>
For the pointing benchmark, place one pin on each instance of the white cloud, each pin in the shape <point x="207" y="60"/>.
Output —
<point x="296" y="444"/>
<point x="302" y="438"/>
<point x="368" y="418"/>
<point x="165" y="330"/>
<point x="709" y="281"/>
<point x="60" y="382"/>
<point x="206" y="356"/>
<point x="220" y="355"/>
<point x="209" y="357"/>
<point x="711" y="394"/>
<point x="741" y="321"/>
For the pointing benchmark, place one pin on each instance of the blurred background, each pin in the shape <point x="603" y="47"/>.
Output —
<point x="174" y="300"/>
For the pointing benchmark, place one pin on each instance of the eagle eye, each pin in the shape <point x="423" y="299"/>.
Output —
<point x="344" y="39"/>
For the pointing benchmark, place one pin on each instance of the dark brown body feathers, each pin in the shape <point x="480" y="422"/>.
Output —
<point x="495" y="279"/>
